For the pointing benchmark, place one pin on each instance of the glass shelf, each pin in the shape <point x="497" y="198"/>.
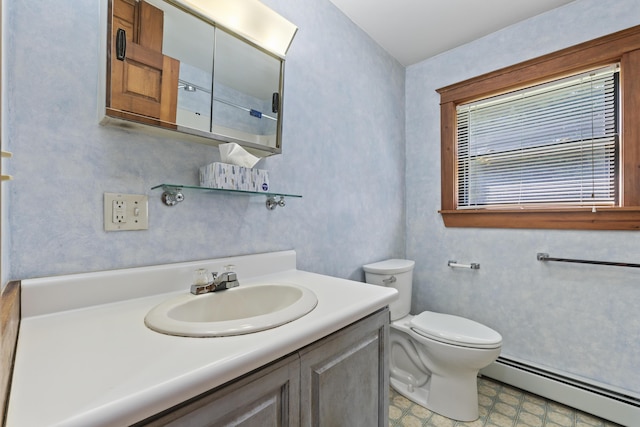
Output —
<point x="173" y="194"/>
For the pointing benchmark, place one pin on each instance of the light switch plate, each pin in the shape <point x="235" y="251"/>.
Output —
<point x="126" y="212"/>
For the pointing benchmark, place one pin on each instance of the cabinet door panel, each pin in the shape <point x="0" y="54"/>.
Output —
<point x="124" y="16"/>
<point x="151" y="23"/>
<point x="145" y="82"/>
<point x="169" y="90"/>
<point x="266" y="398"/>
<point x="136" y="81"/>
<point x="344" y="378"/>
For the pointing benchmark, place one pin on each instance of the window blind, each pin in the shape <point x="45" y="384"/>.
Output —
<point x="552" y="144"/>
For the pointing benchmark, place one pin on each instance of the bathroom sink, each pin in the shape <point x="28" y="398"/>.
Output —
<point x="241" y="310"/>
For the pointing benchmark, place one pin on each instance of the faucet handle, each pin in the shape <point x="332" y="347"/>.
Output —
<point x="229" y="275"/>
<point x="202" y="281"/>
<point x="201" y="289"/>
<point x="201" y="277"/>
<point x="227" y="279"/>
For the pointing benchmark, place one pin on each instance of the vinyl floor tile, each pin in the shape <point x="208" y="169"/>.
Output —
<point x="500" y="406"/>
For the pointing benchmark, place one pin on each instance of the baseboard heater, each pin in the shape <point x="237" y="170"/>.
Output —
<point x="600" y="400"/>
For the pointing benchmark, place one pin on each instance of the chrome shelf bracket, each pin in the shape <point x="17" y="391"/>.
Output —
<point x="272" y="203"/>
<point x="172" y="196"/>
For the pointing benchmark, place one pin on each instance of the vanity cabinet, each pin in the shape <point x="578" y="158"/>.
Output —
<point x="340" y="380"/>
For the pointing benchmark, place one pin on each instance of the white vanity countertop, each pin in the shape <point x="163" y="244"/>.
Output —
<point x="80" y="362"/>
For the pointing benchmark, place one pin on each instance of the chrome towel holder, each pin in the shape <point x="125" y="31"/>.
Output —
<point x="455" y="264"/>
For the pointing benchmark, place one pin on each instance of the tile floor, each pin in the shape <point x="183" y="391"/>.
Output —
<point x="500" y="406"/>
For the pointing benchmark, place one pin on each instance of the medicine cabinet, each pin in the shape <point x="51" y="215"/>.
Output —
<point x="177" y="66"/>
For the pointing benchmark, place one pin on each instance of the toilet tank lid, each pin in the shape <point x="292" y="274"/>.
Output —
<point x="389" y="266"/>
<point x="455" y="330"/>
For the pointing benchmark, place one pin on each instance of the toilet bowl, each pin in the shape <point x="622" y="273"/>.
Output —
<point x="434" y="358"/>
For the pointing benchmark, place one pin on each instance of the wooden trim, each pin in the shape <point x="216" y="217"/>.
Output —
<point x="623" y="46"/>
<point x="9" y="327"/>
<point x="448" y="155"/>
<point x="630" y="84"/>
<point x="125" y="115"/>
<point x="169" y="91"/>
<point x="578" y="219"/>
<point x="593" y="53"/>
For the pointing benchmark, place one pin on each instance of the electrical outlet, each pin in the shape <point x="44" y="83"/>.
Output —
<point x="126" y="212"/>
<point x="118" y="211"/>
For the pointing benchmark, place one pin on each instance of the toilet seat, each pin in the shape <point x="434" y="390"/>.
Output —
<point x="454" y="330"/>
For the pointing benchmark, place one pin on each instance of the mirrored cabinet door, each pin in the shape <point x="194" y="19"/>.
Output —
<point x="246" y="89"/>
<point x="191" y="40"/>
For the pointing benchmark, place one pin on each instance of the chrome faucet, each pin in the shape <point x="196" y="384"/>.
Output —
<point x="226" y="280"/>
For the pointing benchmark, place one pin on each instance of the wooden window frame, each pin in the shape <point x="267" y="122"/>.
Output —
<point x="622" y="47"/>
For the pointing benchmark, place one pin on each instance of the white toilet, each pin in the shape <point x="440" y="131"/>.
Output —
<point x="434" y="358"/>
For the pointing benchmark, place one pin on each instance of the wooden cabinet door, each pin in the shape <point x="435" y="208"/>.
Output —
<point x="124" y="15"/>
<point x="268" y="397"/>
<point x="344" y="378"/>
<point x="144" y="82"/>
<point x="150" y="22"/>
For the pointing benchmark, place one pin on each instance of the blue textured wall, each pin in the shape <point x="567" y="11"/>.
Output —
<point x="579" y="319"/>
<point x="344" y="151"/>
<point x="343" y="148"/>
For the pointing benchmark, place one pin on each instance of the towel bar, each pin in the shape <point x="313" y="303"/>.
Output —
<point x="545" y="257"/>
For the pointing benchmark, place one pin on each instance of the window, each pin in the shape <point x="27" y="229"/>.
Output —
<point x="550" y="143"/>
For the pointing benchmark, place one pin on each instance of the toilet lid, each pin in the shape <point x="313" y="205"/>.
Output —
<point x="389" y="266"/>
<point x="455" y="330"/>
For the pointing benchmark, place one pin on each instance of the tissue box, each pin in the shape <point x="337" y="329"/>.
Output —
<point x="232" y="177"/>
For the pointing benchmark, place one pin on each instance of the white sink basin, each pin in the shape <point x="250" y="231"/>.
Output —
<point x="235" y="311"/>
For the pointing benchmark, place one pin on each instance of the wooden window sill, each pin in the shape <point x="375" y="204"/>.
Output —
<point x="627" y="218"/>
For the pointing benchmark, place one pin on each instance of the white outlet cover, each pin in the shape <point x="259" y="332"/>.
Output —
<point x="132" y="212"/>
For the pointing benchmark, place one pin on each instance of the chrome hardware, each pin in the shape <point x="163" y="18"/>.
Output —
<point x="454" y="264"/>
<point x="201" y="289"/>
<point x="172" y="197"/>
<point x="226" y="280"/>
<point x="389" y="281"/>
<point x="272" y="203"/>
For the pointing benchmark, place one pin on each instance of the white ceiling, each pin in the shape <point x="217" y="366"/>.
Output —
<point x="413" y="30"/>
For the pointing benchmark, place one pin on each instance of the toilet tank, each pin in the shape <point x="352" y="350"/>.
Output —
<point x="396" y="273"/>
